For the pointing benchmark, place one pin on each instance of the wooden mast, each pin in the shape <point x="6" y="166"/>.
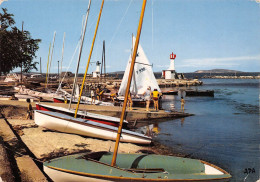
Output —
<point x="90" y="54"/>
<point x="80" y="52"/>
<point x="128" y="84"/>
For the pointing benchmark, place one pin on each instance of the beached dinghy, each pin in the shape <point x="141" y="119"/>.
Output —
<point x="131" y="167"/>
<point x="67" y="124"/>
<point x="108" y="120"/>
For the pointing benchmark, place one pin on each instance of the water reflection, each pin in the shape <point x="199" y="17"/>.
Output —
<point x="182" y="121"/>
<point x="151" y="130"/>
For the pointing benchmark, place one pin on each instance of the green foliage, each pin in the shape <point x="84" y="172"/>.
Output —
<point x="17" y="48"/>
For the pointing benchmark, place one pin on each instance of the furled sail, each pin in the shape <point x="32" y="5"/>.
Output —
<point x="143" y="76"/>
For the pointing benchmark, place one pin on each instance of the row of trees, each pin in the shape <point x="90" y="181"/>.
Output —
<point x="17" y="48"/>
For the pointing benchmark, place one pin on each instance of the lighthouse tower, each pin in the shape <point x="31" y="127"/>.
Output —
<point x="97" y="72"/>
<point x="172" y="59"/>
<point x="170" y="73"/>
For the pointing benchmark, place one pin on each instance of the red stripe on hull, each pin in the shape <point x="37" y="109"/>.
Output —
<point x="57" y="100"/>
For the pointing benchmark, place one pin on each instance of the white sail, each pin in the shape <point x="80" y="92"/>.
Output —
<point x="142" y="76"/>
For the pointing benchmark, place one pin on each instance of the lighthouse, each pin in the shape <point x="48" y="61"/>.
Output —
<point x="97" y="72"/>
<point x="170" y="73"/>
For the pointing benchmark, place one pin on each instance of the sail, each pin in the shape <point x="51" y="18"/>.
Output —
<point x="142" y="76"/>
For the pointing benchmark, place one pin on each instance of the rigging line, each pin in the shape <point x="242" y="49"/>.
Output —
<point x="145" y="64"/>
<point x="87" y="31"/>
<point x="117" y="28"/>
<point x="53" y="42"/>
<point x="69" y="65"/>
<point x="80" y="37"/>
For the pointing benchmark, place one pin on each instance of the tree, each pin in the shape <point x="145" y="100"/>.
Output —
<point x="17" y="48"/>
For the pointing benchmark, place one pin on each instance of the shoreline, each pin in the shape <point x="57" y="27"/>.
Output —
<point x="25" y="143"/>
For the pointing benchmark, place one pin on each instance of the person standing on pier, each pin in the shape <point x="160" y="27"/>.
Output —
<point x="147" y="97"/>
<point x="98" y="93"/>
<point x="93" y="97"/>
<point x="182" y="104"/>
<point x="129" y="102"/>
<point x="156" y="94"/>
<point x="30" y="109"/>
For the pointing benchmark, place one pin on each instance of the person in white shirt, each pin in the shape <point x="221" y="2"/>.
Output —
<point x="147" y="97"/>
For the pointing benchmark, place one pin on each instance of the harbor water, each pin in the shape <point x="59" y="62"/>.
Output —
<point x="224" y="129"/>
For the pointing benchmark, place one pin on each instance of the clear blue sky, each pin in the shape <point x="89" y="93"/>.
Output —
<point x="205" y="34"/>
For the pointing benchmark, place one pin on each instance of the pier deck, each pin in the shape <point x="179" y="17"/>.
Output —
<point x="136" y="114"/>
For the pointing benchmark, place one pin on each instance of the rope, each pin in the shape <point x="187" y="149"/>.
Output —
<point x="69" y="65"/>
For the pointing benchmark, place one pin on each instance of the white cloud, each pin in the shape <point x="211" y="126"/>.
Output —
<point x="227" y="61"/>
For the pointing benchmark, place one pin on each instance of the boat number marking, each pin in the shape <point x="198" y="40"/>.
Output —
<point x="140" y="70"/>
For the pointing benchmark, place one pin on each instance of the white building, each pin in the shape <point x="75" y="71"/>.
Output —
<point x="170" y="73"/>
<point x="96" y="74"/>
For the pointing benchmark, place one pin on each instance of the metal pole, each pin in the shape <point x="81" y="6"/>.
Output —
<point x="58" y="69"/>
<point x="90" y="54"/>
<point x="80" y="51"/>
<point x="41" y="65"/>
<point x="62" y="55"/>
<point x="128" y="84"/>
<point x="22" y="60"/>
<point x="104" y="49"/>
<point x="51" y="54"/>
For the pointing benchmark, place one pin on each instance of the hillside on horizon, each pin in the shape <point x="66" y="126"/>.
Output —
<point x="218" y="71"/>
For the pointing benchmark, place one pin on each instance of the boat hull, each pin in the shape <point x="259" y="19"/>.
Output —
<point x="132" y="167"/>
<point x="108" y="120"/>
<point x="63" y="123"/>
<point x="58" y="100"/>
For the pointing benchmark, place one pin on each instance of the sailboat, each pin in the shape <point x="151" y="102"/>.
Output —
<point x="108" y="120"/>
<point x="131" y="167"/>
<point x="67" y="124"/>
<point x="143" y="77"/>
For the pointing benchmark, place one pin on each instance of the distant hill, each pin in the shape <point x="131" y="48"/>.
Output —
<point x="218" y="71"/>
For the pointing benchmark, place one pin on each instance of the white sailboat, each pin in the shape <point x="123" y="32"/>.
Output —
<point x="67" y="124"/>
<point x="143" y="75"/>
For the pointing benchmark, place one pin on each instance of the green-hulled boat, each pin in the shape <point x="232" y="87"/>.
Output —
<point x="131" y="167"/>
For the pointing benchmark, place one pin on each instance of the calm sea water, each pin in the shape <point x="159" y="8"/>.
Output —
<point x="224" y="130"/>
